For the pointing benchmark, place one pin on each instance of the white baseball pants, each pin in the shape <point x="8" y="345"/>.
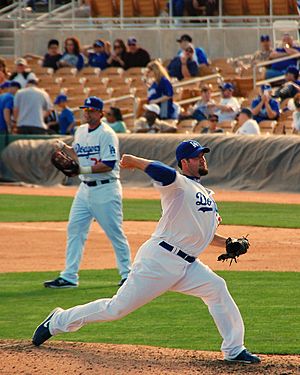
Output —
<point x="154" y="272"/>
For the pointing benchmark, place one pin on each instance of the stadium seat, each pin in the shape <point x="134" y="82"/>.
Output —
<point x="186" y="126"/>
<point x="257" y="7"/>
<point x="267" y="126"/>
<point x="67" y="71"/>
<point x="129" y="9"/>
<point x="284" y="7"/>
<point x="227" y="126"/>
<point x="147" y="8"/>
<point x="234" y="7"/>
<point x="111" y="71"/>
<point x="243" y="85"/>
<point x="102" y="8"/>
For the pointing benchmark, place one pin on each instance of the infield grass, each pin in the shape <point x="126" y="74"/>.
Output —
<point x="269" y="303"/>
<point x="24" y="208"/>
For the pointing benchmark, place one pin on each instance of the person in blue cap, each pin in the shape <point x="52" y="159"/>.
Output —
<point x="99" y="197"/>
<point x="291" y="87"/>
<point x="66" y="119"/>
<point x="169" y="259"/>
<point x="229" y="106"/>
<point x="8" y="90"/>
<point x="97" y="54"/>
<point x="264" y="107"/>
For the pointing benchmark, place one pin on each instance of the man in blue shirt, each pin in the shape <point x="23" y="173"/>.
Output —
<point x="288" y="48"/>
<point x="184" y="66"/>
<point x="264" y="107"/>
<point x="66" y="118"/>
<point x="97" y="58"/>
<point x="199" y="56"/>
<point x="6" y="105"/>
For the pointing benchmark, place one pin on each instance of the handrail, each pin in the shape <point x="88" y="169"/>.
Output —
<point x="194" y="99"/>
<point x="7" y="9"/>
<point x="271" y="62"/>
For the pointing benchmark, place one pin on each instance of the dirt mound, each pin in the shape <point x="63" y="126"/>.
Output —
<point x="106" y="359"/>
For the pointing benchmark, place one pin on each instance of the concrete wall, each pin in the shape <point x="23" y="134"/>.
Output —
<point x="229" y="42"/>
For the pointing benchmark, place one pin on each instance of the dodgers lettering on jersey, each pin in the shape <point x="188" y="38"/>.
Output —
<point x="189" y="215"/>
<point x="95" y="146"/>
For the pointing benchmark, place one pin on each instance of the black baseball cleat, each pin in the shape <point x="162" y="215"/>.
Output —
<point x="121" y="282"/>
<point x="245" y="357"/>
<point x="59" y="283"/>
<point x="42" y="333"/>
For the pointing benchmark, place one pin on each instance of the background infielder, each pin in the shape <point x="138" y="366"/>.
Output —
<point x="99" y="195"/>
<point x="167" y="261"/>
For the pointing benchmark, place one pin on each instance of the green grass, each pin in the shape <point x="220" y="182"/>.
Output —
<point x="269" y="303"/>
<point x="40" y="208"/>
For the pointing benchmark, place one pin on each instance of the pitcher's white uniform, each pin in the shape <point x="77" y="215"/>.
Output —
<point x="102" y="201"/>
<point x="188" y="223"/>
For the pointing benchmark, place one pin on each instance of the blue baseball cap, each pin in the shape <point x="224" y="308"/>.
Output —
<point x="93" y="102"/>
<point x="132" y="41"/>
<point x="15" y="84"/>
<point x="264" y="38"/>
<point x="227" y="86"/>
<point x="293" y="70"/>
<point x="99" y="43"/>
<point x="189" y="149"/>
<point x="266" y="87"/>
<point x="60" y="98"/>
<point x="5" y="85"/>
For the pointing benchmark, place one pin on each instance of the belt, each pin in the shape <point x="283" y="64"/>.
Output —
<point x="95" y="183"/>
<point x="180" y="253"/>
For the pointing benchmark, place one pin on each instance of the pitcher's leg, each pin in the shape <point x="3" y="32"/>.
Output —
<point x="79" y="223"/>
<point x="110" y="218"/>
<point x="200" y="281"/>
<point x="146" y="281"/>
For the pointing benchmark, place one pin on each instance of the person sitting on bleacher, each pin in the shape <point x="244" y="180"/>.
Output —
<point x="288" y="48"/>
<point x="229" y="106"/>
<point x="263" y="54"/>
<point x="72" y="56"/>
<point x="135" y="55"/>
<point x="114" y="119"/>
<point x="97" y="54"/>
<point x="51" y="58"/>
<point x="117" y="56"/>
<point x="150" y="122"/>
<point x="161" y="90"/>
<point x="199" y="55"/>
<point x="22" y="74"/>
<point x="247" y="125"/>
<point x="203" y="108"/>
<point x="212" y="127"/>
<point x="184" y="66"/>
<point x="291" y="87"/>
<point x="264" y="107"/>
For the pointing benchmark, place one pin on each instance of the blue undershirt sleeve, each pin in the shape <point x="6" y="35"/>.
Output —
<point x="109" y="163"/>
<point x="161" y="173"/>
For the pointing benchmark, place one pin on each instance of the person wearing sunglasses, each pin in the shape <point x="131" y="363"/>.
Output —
<point x="184" y="66"/>
<point x="135" y="56"/>
<point x="199" y="56"/>
<point x="212" y="125"/>
<point x="114" y="119"/>
<point x="96" y="147"/>
<point x="117" y="56"/>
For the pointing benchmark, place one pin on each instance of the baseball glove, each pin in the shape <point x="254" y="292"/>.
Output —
<point x="235" y="248"/>
<point x="65" y="163"/>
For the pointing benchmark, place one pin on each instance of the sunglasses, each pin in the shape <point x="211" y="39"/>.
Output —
<point x="213" y="120"/>
<point x="90" y="110"/>
<point x="189" y="50"/>
<point x="117" y="46"/>
<point x="131" y="44"/>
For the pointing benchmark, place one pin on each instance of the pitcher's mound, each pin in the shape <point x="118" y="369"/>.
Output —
<point x="56" y="357"/>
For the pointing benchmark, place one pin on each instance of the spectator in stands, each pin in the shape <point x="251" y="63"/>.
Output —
<point x="288" y="48"/>
<point x="264" y="107"/>
<point x="150" y="123"/>
<point x="246" y="123"/>
<point x="114" y="119"/>
<point x="117" y="56"/>
<point x="22" y="74"/>
<point x="51" y="58"/>
<point x="212" y="128"/>
<point x="72" y="56"/>
<point x="210" y="7"/>
<point x="97" y="54"/>
<point x="31" y="104"/>
<point x="199" y="55"/>
<point x="66" y="119"/>
<point x="161" y="91"/>
<point x="177" y="8"/>
<point x="291" y="86"/>
<point x="263" y="54"/>
<point x="52" y="121"/>
<point x="9" y="89"/>
<point x="184" y="66"/>
<point x="229" y="106"/>
<point x="3" y="71"/>
<point x="296" y="115"/>
<point x="135" y="56"/>
<point x="203" y="108"/>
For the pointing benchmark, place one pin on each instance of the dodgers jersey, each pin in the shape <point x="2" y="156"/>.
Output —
<point x="94" y="146"/>
<point x="189" y="215"/>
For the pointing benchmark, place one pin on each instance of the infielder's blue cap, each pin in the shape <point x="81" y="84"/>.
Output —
<point x="93" y="102"/>
<point x="60" y="98"/>
<point x="189" y="149"/>
<point x="5" y="85"/>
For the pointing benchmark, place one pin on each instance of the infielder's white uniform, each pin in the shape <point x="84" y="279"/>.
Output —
<point x="188" y="223"/>
<point x="102" y="201"/>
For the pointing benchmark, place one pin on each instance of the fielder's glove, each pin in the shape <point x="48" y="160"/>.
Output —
<point x="65" y="163"/>
<point x="234" y="248"/>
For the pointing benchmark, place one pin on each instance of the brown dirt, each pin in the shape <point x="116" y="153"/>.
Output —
<point x="40" y="247"/>
<point x="106" y="359"/>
